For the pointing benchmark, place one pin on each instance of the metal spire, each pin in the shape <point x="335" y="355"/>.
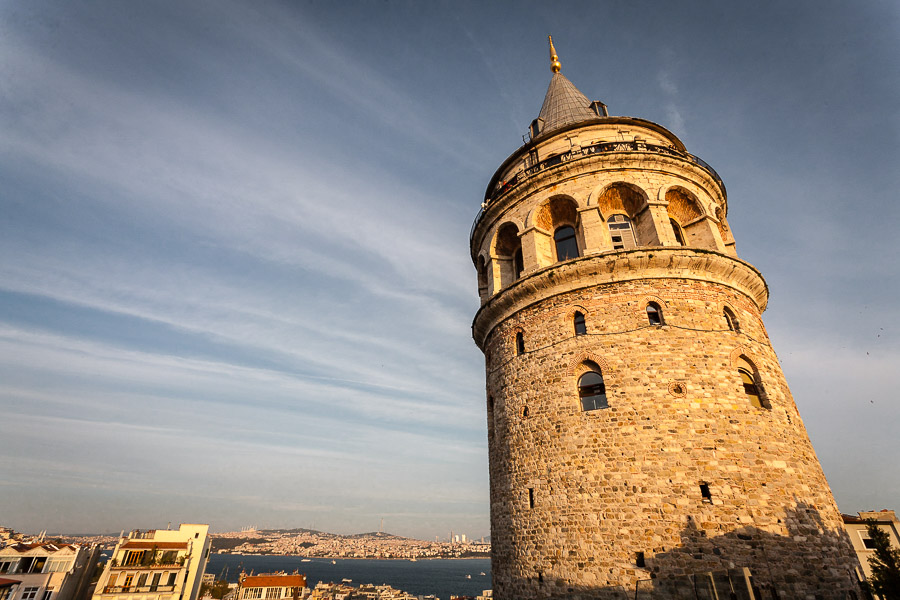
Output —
<point x="554" y="59"/>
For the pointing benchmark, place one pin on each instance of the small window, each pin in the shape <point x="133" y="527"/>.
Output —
<point x="29" y="593"/>
<point x="530" y="497"/>
<point x="868" y="542"/>
<point x="731" y="320"/>
<point x="679" y="233"/>
<point x="518" y="263"/>
<point x="47" y="594"/>
<point x="751" y="389"/>
<point x="705" y="493"/>
<point x="639" y="560"/>
<point x="654" y="314"/>
<point x="520" y="343"/>
<point x="592" y="391"/>
<point x="566" y="244"/>
<point x="580" y="325"/>
<point x="525" y="412"/>
<point x="621" y="232"/>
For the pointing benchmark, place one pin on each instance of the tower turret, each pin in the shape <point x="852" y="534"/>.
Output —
<point x="639" y="424"/>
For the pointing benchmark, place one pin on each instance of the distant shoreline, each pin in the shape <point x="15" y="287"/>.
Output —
<point x="424" y="558"/>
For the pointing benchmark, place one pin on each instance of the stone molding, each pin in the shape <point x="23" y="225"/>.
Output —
<point x="690" y="264"/>
<point x="601" y="362"/>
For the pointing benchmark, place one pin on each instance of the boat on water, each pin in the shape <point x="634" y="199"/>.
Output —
<point x="305" y="560"/>
<point x="413" y="559"/>
<point x="334" y="562"/>
<point x="483" y="573"/>
<point x="468" y="577"/>
<point x="345" y="580"/>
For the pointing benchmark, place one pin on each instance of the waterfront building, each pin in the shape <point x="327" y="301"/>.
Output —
<point x="271" y="586"/>
<point x="640" y="428"/>
<point x="47" y="571"/>
<point x="160" y="564"/>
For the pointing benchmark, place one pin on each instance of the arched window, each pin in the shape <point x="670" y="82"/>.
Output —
<point x="592" y="390"/>
<point x="566" y="243"/>
<point x="518" y="263"/>
<point x="751" y="390"/>
<point x="752" y="387"/>
<point x="520" y="343"/>
<point x="654" y="314"/>
<point x="732" y="321"/>
<point x="679" y="233"/>
<point x="580" y="325"/>
<point x="621" y="232"/>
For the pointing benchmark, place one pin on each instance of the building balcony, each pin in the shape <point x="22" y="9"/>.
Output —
<point x="139" y="567"/>
<point x="501" y="187"/>
<point x="147" y="589"/>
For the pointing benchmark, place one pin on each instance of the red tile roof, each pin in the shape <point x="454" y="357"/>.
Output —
<point x="274" y="581"/>
<point x="8" y="582"/>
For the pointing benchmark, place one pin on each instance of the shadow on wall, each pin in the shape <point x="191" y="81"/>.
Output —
<point x="812" y="562"/>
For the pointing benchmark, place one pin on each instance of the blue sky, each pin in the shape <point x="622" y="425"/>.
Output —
<point x="235" y="285"/>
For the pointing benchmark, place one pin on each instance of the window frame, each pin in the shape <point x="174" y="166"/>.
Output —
<point x="30" y="592"/>
<point x="568" y="240"/>
<point x="598" y="401"/>
<point x="579" y="323"/>
<point x="678" y="230"/>
<point x="656" y="314"/>
<point x="730" y="318"/>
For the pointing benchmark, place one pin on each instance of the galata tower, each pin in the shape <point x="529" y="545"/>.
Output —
<point x="640" y="428"/>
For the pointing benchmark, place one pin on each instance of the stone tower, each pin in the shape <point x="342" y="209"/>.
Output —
<point x="639" y="425"/>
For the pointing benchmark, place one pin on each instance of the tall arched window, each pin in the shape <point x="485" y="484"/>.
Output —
<point x="679" y="232"/>
<point x="621" y="232"/>
<point x="731" y="320"/>
<point x="592" y="390"/>
<point x="566" y="243"/>
<point x="579" y="323"/>
<point x="518" y="263"/>
<point x="654" y="314"/>
<point x="520" y="343"/>
<point x="752" y="387"/>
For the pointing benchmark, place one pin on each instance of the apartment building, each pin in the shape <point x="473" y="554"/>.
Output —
<point x="156" y="565"/>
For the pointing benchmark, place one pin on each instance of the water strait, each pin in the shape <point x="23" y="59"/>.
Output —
<point x="440" y="577"/>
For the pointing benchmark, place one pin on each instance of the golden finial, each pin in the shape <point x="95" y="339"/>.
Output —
<point x="554" y="59"/>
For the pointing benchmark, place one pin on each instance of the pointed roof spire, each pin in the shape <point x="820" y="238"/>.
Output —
<point x="555" y="65"/>
<point x="564" y="103"/>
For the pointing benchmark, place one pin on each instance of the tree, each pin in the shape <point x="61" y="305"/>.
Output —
<point x="885" y="563"/>
<point x="217" y="590"/>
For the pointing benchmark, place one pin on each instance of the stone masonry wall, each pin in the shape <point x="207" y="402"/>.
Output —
<point x="609" y="484"/>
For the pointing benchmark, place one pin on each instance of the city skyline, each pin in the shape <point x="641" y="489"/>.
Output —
<point x="236" y="284"/>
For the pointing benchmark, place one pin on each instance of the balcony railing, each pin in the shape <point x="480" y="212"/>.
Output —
<point x="586" y="151"/>
<point x="141" y="567"/>
<point x="146" y="589"/>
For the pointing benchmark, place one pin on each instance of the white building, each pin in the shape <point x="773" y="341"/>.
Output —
<point x="47" y="571"/>
<point x="271" y="586"/>
<point x="857" y="529"/>
<point x="159" y="564"/>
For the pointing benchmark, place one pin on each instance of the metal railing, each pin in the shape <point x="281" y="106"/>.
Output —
<point x="118" y="589"/>
<point x="586" y="151"/>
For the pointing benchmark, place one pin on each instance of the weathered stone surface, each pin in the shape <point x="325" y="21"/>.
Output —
<point x="576" y="495"/>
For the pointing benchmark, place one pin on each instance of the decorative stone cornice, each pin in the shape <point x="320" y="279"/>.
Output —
<point x="618" y="266"/>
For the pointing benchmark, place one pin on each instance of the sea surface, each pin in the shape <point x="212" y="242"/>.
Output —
<point x="441" y="577"/>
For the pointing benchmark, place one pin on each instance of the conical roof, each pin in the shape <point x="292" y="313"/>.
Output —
<point x="564" y="104"/>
